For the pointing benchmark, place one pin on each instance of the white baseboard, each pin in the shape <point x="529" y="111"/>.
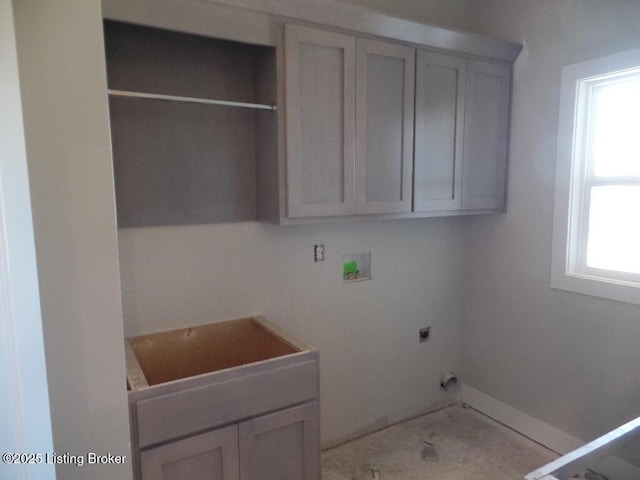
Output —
<point x="538" y="431"/>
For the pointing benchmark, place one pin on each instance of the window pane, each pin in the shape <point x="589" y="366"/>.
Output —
<point x="614" y="228"/>
<point x="615" y="118"/>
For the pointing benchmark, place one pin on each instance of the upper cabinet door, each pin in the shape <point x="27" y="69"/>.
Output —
<point x="384" y="127"/>
<point x="320" y="122"/>
<point x="440" y="100"/>
<point x="485" y="136"/>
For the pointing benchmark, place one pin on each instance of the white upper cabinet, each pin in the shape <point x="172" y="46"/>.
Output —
<point x="349" y="118"/>
<point x="486" y="135"/>
<point x="320" y="122"/>
<point x="373" y="127"/>
<point x="462" y="121"/>
<point x="384" y="126"/>
<point x="440" y="101"/>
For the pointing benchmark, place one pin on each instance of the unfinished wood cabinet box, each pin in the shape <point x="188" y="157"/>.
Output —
<point x="226" y="400"/>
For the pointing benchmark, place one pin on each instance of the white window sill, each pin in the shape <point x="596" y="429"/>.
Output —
<point x="595" y="286"/>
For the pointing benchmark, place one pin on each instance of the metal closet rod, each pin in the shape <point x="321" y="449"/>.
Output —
<point x="204" y="101"/>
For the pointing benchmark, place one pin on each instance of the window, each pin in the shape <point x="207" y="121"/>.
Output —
<point x="596" y="239"/>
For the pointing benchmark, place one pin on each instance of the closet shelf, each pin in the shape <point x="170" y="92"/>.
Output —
<point x="204" y="101"/>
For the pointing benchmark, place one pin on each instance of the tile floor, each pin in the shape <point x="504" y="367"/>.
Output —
<point x="455" y="443"/>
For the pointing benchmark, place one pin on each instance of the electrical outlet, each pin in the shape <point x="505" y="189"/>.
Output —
<point x="318" y="252"/>
<point x="425" y="334"/>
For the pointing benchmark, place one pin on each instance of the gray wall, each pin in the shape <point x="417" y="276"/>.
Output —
<point x="459" y="14"/>
<point x="25" y="418"/>
<point x="64" y="106"/>
<point x="373" y="370"/>
<point x="567" y="359"/>
<point x="372" y="366"/>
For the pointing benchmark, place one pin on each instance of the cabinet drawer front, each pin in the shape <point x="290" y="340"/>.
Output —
<point x="192" y="410"/>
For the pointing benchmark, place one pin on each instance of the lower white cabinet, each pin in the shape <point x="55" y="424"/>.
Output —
<point x="279" y="446"/>
<point x="257" y="420"/>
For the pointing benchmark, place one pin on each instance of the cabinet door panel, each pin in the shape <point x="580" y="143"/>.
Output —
<point x="485" y="142"/>
<point x="440" y="93"/>
<point x="320" y="119"/>
<point x="283" y="446"/>
<point x="210" y="456"/>
<point x="384" y="127"/>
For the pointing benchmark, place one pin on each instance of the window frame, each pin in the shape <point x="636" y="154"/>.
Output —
<point x="575" y="179"/>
